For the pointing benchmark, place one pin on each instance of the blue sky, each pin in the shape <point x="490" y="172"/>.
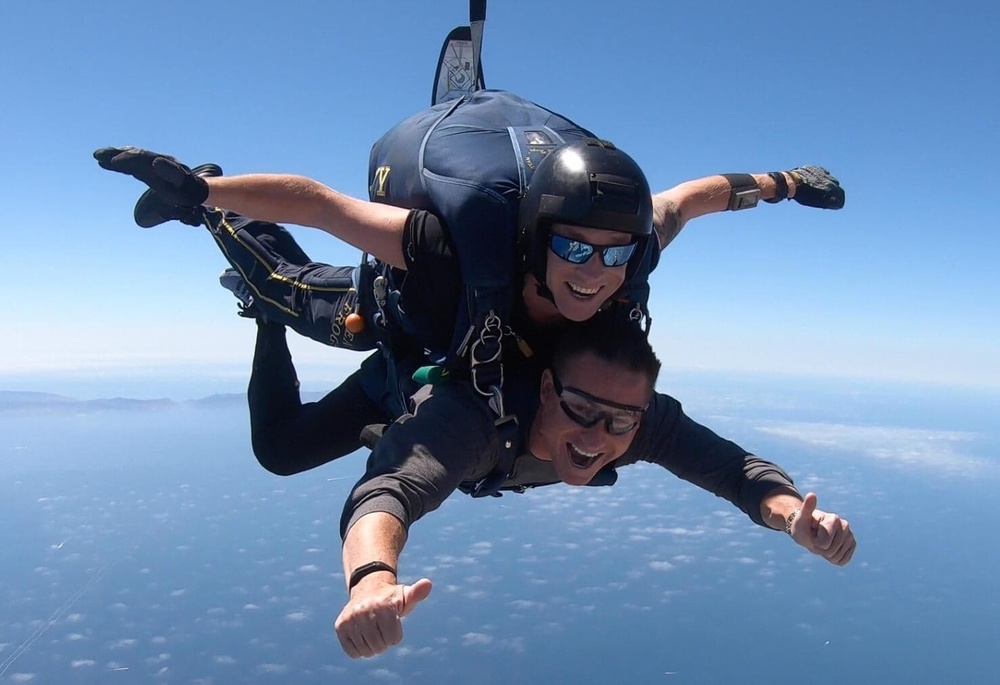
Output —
<point x="894" y="99"/>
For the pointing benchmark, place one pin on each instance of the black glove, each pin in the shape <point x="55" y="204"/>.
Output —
<point x="816" y="187"/>
<point x="167" y="177"/>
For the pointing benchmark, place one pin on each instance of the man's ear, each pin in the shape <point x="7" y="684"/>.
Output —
<point x="546" y="388"/>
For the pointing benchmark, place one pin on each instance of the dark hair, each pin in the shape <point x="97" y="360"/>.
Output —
<point x="612" y="336"/>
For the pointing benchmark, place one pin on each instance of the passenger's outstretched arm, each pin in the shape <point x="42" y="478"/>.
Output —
<point x="418" y="462"/>
<point x="808" y="185"/>
<point x="370" y="623"/>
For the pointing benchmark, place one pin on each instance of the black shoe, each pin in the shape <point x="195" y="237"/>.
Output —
<point x="152" y="210"/>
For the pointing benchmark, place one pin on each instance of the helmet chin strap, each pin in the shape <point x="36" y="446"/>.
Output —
<point x="543" y="291"/>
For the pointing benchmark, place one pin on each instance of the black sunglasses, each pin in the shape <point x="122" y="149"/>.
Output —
<point x="578" y="252"/>
<point x="589" y="415"/>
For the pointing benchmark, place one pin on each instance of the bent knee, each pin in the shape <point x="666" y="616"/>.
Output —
<point x="276" y="458"/>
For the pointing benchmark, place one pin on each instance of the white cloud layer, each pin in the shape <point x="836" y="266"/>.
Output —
<point x="941" y="451"/>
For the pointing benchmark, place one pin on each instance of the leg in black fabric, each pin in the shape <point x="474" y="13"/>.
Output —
<point x="288" y="436"/>
<point x="313" y="299"/>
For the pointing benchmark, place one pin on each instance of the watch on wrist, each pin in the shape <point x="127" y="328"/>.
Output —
<point x="781" y="187"/>
<point x="367" y="569"/>
<point x="791" y="518"/>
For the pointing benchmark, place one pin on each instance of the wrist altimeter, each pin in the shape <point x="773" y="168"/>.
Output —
<point x="743" y="191"/>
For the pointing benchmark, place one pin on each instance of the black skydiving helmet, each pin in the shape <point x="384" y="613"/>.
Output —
<point x="588" y="183"/>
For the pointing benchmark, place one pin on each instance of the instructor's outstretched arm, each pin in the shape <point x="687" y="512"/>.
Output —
<point x="286" y="199"/>
<point x="810" y="186"/>
<point x="278" y="198"/>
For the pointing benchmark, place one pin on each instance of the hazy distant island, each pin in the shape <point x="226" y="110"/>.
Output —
<point x="18" y="401"/>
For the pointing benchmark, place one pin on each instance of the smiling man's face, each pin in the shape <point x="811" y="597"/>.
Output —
<point x="577" y="452"/>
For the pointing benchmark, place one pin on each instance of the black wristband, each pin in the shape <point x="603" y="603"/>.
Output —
<point x="743" y="193"/>
<point x="367" y="569"/>
<point x="781" y="192"/>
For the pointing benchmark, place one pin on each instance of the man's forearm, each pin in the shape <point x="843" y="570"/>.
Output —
<point x="674" y="207"/>
<point x="281" y="198"/>
<point x="374" y="537"/>
<point x="370" y="622"/>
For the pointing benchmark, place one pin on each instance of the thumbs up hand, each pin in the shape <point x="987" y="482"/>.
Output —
<point x="823" y="533"/>
<point x="371" y="622"/>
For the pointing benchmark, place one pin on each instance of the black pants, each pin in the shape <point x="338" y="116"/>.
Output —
<point x="310" y="298"/>
<point x="290" y="436"/>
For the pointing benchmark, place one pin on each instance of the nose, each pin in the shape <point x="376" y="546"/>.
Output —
<point x="593" y="268"/>
<point x="593" y="438"/>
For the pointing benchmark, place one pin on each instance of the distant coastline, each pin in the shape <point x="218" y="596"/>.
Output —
<point x="18" y="401"/>
<point x="12" y="401"/>
<point x="29" y="401"/>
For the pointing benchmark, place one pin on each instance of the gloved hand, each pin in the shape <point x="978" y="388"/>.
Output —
<point x="816" y="187"/>
<point x="168" y="178"/>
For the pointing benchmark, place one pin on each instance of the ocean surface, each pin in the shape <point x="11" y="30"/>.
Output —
<point x="142" y="543"/>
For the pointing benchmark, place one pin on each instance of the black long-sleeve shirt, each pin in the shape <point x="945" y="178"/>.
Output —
<point x="450" y="439"/>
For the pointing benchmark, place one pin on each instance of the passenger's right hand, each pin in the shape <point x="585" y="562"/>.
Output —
<point x="370" y="623"/>
<point x="173" y="181"/>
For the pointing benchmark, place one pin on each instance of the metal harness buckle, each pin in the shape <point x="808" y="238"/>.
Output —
<point x="484" y="358"/>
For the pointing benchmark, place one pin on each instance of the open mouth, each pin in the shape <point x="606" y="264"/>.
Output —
<point x="581" y="292"/>
<point x="580" y="459"/>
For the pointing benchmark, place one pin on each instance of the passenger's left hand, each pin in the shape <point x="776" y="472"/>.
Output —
<point x="823" y="533"/>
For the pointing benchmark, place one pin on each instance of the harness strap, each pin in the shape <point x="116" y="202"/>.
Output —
<point x="509" y="434"/>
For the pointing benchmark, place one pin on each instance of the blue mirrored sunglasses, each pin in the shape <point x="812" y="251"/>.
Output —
<point x="578" y="252"/>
